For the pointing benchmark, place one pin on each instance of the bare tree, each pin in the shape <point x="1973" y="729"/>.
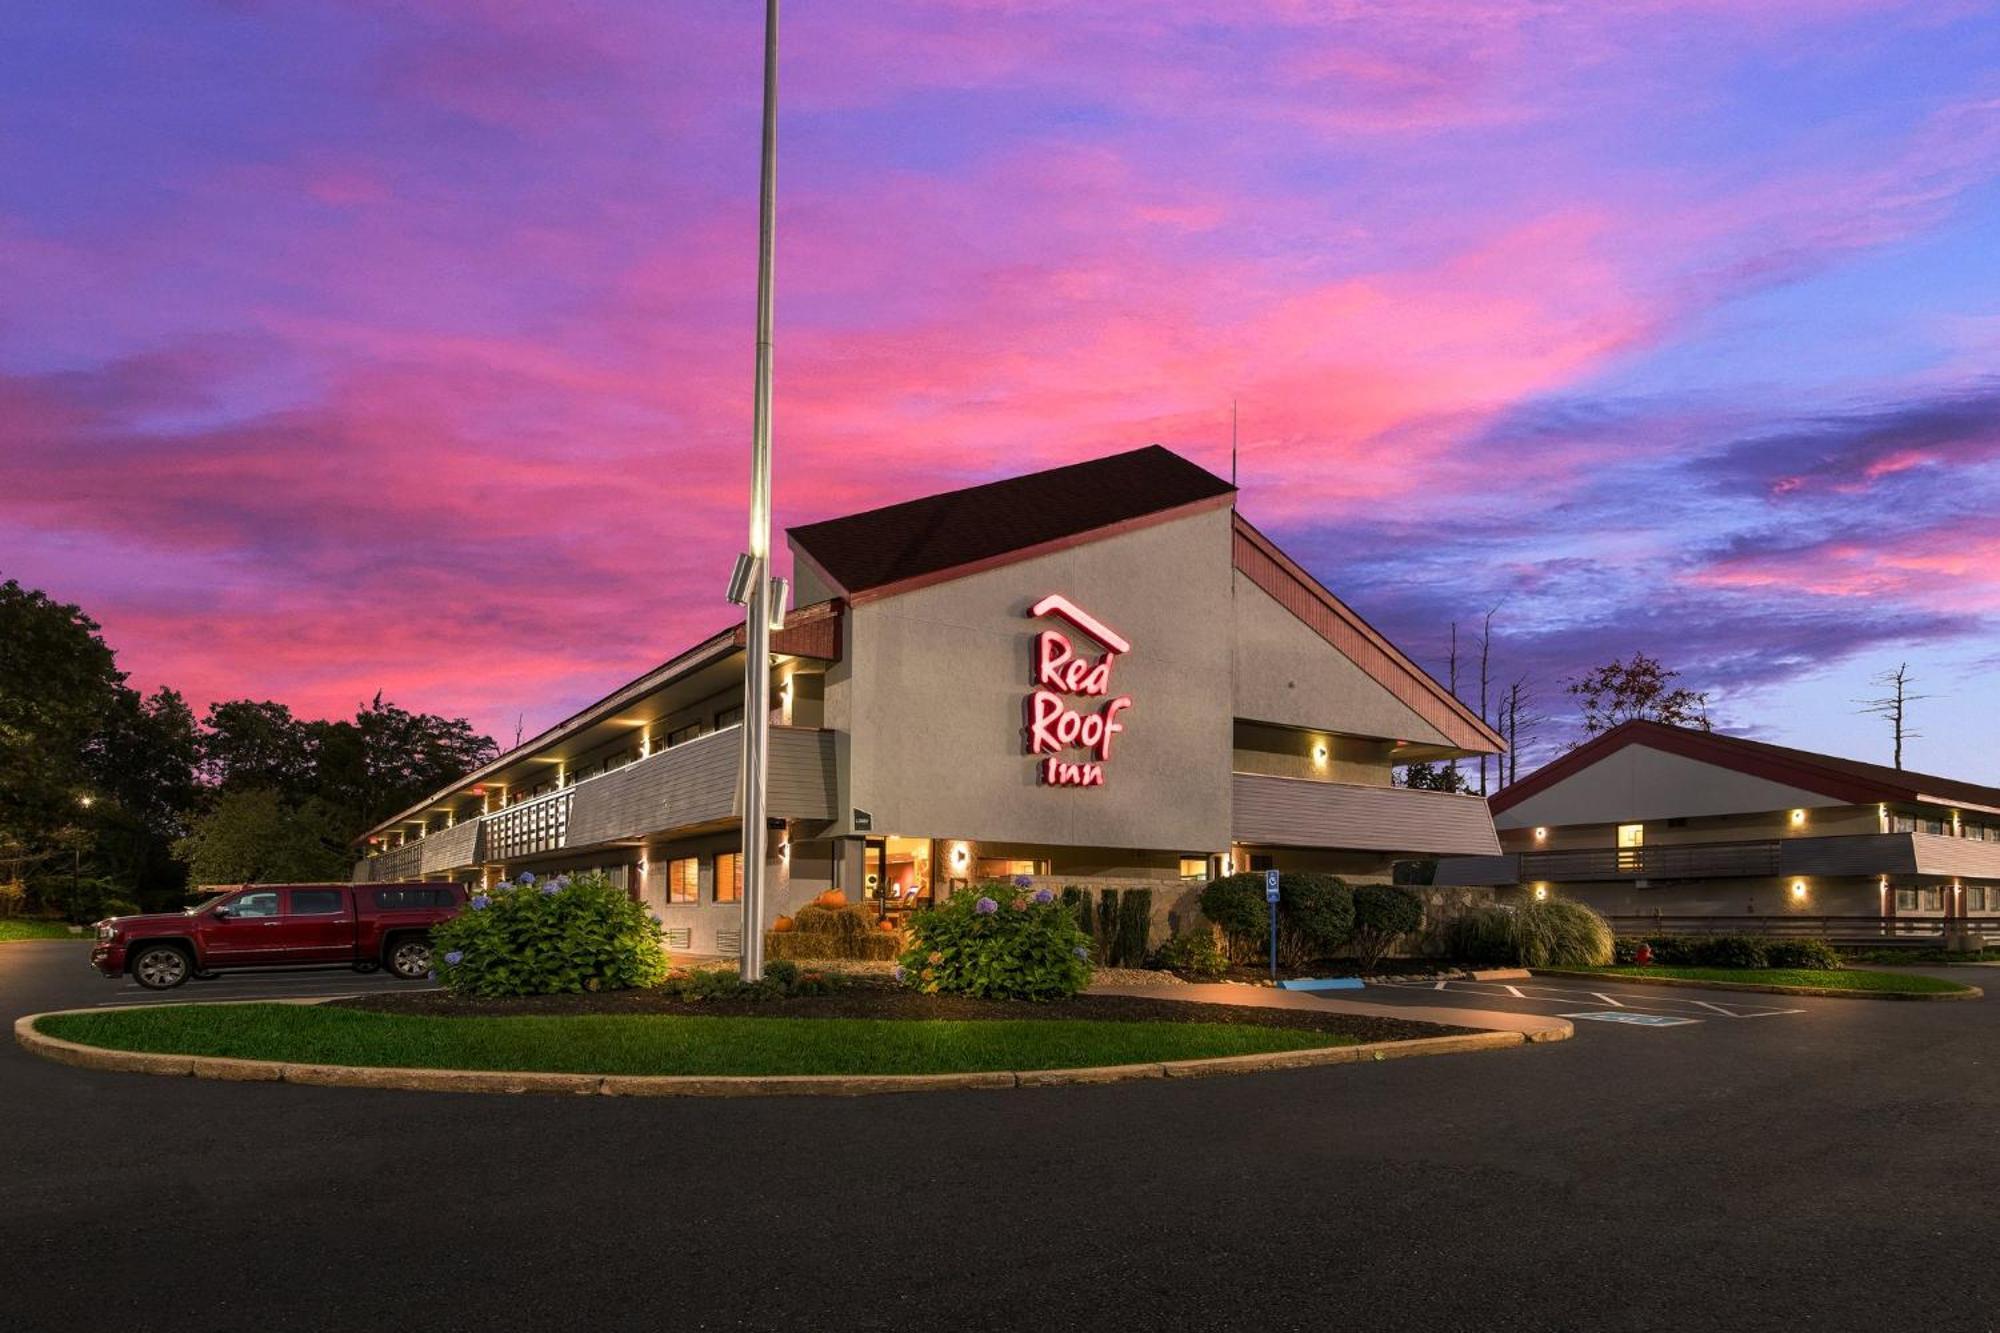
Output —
<point x="1518" y="718"/>
<point x="1485" y="681"/>
<point x="1452" y="666"/>
<point x="1894" y="705"/>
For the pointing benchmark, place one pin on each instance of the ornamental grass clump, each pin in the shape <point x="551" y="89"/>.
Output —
<point x="1554" y="933"/>
<point x="570" y="933"/>
<point x="998" y="942"/>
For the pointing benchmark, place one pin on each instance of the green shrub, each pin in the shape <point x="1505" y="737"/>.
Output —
<point x="1555" y="933"/>
<point x="998" y="941"/>
<point x="1726" y="951"/>
<point x="118" y="907"/>
<point x="1483" y="935"/>
<point x="1195" y="955"/>
<point x="562" y="935"/>
<point x="1134" y="936"/>
<point x="1383" y="914"/>
<point x="1315" y="915"/>
<point x="782" y="980"/>
<point x="1801" y="953"/>
<point x="1560" y="933"/>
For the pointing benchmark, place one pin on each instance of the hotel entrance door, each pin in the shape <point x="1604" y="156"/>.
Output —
<point x="897" y="876"/>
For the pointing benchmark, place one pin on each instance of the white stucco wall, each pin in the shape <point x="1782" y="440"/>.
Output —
<point x="1639" y="783"/>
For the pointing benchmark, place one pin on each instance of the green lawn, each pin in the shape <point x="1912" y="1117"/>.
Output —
<point x="15" y="928"/>
<point x="663" y="1044"/>
<point x="1848" y="978"/>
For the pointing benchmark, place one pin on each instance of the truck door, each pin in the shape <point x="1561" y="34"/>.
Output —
<point x="243" y="930"/>
<point x="318" y="926"/>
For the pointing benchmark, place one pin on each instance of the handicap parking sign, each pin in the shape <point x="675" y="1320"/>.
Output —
<point x="1270" y="886"/>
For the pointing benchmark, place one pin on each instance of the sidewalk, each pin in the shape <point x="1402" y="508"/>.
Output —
<point x="1536" y="1027"/>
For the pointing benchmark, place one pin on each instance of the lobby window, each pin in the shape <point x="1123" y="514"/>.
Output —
<point x="1000" y="867"/>
<point x="1194" y="867"/>
<point x="729" y="877"/>
<point x="684" y="880"/>
<point x="1906" y="900"/>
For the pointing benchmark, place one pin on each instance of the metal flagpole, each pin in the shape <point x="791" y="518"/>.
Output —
<point x="758" y="611"/>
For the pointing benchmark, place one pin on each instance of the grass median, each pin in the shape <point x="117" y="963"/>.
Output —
<point x="660" y="1044"/>
<point x="1847" y="978"/>
<point x="16" y="929"/>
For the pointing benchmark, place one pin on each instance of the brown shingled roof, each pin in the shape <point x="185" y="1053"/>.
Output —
<point x="1844" y="779"/>
<point x="910" y="542"/>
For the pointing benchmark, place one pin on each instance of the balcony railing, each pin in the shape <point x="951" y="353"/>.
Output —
<point x="1659" y="861"/>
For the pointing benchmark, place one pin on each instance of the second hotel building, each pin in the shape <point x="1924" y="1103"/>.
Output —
<point x="1098" y="674"/>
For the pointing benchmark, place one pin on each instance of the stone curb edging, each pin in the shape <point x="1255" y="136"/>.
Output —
<point x="1768" y="987"/>
<point x="705" y="1085"/>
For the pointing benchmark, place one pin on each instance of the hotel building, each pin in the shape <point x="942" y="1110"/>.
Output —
<point x="1698" y="831"/>
<point x="1099" y="674"/>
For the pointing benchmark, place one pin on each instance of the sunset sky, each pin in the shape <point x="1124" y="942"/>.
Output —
<point x="363" y="346"/>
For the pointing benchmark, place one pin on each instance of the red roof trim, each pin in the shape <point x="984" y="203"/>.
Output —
<point x="1260" y="561"/>
<point x="1708" y="748"/>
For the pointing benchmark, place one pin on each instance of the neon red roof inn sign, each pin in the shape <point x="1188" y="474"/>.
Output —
<point x="1056" y="727"/>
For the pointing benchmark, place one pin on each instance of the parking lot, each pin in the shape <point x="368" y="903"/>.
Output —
<point x="1724" y="1171"/>
<point x="1632" y="1008"/>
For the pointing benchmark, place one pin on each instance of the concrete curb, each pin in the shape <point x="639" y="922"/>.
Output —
<point x="1767" y="988"/>
<point x="706" y="1085"/>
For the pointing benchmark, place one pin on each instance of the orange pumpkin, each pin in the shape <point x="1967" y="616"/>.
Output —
<point x="782" y="925"/>
<point x="886" y="924"/>
<point x="832" y="898"/>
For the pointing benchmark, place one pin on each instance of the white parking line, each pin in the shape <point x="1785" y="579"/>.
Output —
<point x="1568" y="996"/>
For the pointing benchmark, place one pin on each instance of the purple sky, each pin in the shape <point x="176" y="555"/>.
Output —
<point x="379" y="345"/>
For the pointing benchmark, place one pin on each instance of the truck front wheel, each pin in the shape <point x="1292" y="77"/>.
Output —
<point x="410" y="958"/>
<point x="162" y="966"/>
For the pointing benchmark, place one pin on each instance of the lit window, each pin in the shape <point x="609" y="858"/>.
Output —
<point x="1631" y="835"/>
<point x="684" y="880"/>
<point x="1194" y="867"/>
<point x="999" y="867"/>
<point x="729" y="877"/>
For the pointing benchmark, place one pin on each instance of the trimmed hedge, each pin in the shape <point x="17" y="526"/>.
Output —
<point x="1383" y="914"/>
<point x="1734" y="951"/>
<point x="1315" y="915"/>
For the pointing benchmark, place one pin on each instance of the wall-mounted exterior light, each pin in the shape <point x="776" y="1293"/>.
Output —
<point x="1798" y="818"/>
<point x="1541" y="835"/>
<point x="1798" y="888"/>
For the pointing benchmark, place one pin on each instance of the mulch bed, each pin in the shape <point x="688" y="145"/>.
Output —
<point x="863" y="1001"/>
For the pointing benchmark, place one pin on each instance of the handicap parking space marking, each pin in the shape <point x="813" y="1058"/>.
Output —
<point x="1626" y="1000"/>
<point x="1635" y="1020"/>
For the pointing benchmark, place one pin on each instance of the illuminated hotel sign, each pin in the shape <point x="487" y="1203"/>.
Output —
<point x="1061" y="671"/>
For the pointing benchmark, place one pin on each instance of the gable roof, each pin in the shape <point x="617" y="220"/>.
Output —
<point x="886" y="550"/>
<point x="1849" y="780"/>
<point x="1258" y="559"/>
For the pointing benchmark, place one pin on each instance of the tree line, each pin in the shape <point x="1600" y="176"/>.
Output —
<point x="116" y="800"/>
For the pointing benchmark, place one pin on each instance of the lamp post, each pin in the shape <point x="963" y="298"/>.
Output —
<point x="753" y="569"/>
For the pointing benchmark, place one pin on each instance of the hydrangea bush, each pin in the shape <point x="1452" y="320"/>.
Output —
<point x="998" y="941"/>
<point x="578" y="933"/>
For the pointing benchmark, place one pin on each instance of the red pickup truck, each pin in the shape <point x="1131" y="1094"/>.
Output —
<point x="280" y="925"/>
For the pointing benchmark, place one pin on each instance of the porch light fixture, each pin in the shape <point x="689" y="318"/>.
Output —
<point x="1798" y="888"/>
<point x="1541" y="835"/>
<point x="1798" y="816"/>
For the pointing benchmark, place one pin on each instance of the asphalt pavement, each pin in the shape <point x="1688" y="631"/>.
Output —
<point x="1825" y="1167"/>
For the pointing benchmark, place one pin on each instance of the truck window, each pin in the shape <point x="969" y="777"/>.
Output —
<point x="317" y="902"/>
<point x="390" y="900"/>
<point x="254" y="905"/>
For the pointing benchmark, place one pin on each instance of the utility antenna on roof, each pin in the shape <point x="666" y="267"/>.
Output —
<point x="1232" y="442"/>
